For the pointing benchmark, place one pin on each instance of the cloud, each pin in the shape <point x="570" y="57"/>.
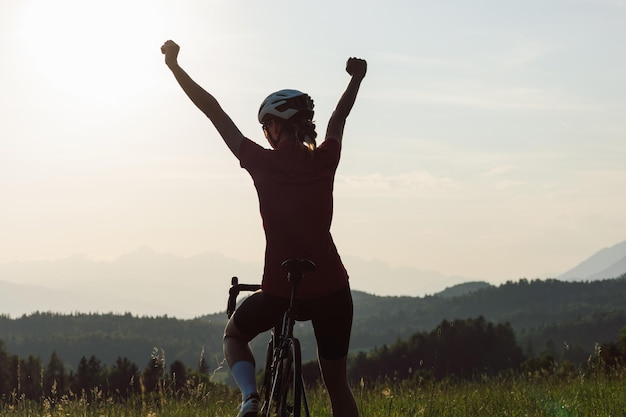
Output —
<point x="510" y="184"/>
<point x="412" y="60"/>
<point x="484" y="94"/>
<point x="398" y="184"/>
<point x="497" y="171"/>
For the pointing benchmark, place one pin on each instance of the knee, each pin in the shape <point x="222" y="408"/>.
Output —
<point x="334" y="372"/>
<point x="232" y="332"/>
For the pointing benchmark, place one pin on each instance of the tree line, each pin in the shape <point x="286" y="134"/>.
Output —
<point x="29" y="378"/>
<point x="467" y="349"/>
<point x="460" y="349"/>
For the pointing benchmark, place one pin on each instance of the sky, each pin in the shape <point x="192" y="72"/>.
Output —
<point x="488" y="139"/>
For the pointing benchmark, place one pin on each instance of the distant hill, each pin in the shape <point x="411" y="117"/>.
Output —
<point x="615" y="270"/>
<point x="143" y="282"/>
<point x="575" y="314"/>
<point x="606" y="263"/>
<point x="463" y="289"/>
<point x="19" y="299"/>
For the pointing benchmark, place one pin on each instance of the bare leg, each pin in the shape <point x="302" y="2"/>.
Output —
<point x="240" y="359"/>
<point x="335" y="378"/>
<point x="236" y="346"/>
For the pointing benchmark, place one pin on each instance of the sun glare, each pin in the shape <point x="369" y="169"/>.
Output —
<point x="92" y="50"/>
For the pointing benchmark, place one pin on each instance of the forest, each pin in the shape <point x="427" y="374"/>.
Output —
<point x="524" y="325"/>
<point x="468" y="349"/>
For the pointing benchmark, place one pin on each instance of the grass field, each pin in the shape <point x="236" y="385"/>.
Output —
<point x="572" y="395"/>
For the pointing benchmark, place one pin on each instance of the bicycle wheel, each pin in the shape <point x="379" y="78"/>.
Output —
<point x="285" y="397"/>
<point x="266" y="386"/>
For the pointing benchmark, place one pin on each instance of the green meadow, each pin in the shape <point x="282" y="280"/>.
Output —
<point x="599" y="393"/>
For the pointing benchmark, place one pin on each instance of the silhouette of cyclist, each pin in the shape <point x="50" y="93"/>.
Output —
<point x="294" y="182"/>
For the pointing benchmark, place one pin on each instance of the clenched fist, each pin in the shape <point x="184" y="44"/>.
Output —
<point x="356" y="67"/>
<point x="170" y="49"/>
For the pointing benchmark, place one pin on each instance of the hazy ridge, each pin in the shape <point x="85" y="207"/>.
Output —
<point x="147" y="283"/>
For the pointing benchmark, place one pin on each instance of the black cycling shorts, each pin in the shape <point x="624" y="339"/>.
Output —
<point x="331" y="316"/>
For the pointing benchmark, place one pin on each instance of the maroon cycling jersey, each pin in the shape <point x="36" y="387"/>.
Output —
<point x="295" y="190"/>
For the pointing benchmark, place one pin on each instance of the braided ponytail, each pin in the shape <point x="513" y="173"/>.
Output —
<point x="303" y="129"/>
<point x="306" y="134"/>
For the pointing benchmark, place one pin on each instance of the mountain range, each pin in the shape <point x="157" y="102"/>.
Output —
<point x="147" y="283"/>
<point x="606" y="263"/>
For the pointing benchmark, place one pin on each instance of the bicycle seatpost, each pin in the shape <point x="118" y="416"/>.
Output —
<point x="296" y="267"/>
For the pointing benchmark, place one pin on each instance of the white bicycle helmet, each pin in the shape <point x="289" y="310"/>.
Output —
<point x="284" y="104"/>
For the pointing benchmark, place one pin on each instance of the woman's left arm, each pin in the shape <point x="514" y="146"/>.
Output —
<point x="357" y="68"/>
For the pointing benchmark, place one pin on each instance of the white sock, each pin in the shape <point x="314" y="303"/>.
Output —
<point x="243" y="372"/>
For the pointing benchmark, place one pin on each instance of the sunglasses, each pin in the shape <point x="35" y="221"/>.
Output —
<point x="267" y="124"/>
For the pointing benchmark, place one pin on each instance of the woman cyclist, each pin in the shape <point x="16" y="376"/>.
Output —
<point x="294" y="182"/>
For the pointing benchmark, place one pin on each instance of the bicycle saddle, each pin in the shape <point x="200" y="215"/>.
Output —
<point x="298" y="265"/>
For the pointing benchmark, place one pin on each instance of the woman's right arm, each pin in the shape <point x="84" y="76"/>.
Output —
<point x="203" y="100"/>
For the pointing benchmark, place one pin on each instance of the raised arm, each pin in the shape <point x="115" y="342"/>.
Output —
<point x="356" y="68"/>
<point x="203" y="100"/>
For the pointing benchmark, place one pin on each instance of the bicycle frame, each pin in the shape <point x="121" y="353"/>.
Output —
<point x="283" y="392"/>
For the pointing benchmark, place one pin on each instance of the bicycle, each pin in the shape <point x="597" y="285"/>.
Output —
<point x="282" y="391"/>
